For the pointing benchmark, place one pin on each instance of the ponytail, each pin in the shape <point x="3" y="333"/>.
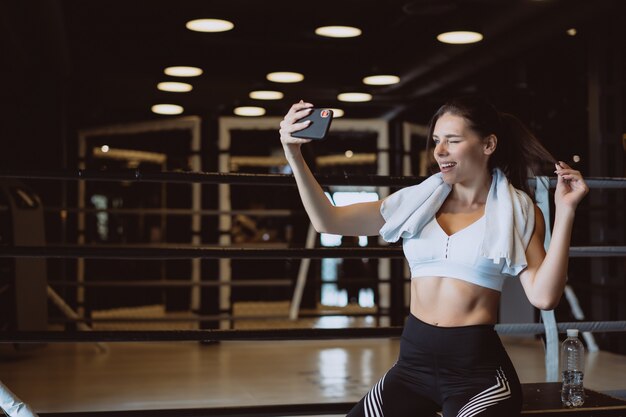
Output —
<point x="519" y="153"/>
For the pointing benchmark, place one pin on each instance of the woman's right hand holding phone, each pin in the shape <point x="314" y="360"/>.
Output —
<point x="290" y="125"/>
<point x="353" y="220"/>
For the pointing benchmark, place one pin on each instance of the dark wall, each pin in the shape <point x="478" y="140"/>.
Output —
<point x="35" y="72"/>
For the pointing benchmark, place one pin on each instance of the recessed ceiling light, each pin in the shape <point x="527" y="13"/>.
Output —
<point x="174" y="87"/>
<point x="337" y="113"/>
<point x="285" y="77"/>
<point x="266" y="95"/>
<point x="460" y="37"/>
<point x="167" y="109"/>
<point x="381" y="80"/>
<point x="354" y="97"/>
<point x="338" y="31"/>
<point x="209" y="25"/>
<point x="183" y="71"/>
<point x="105" y="148"/>
<point x="349" y="154"/>
<point x="249" y="111"/>
<point x="572" y="32"/>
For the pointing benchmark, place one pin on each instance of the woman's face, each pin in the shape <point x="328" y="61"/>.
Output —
<point x="461" y="153"/>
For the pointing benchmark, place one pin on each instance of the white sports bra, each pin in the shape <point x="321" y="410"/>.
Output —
<point x="434" y="253"/>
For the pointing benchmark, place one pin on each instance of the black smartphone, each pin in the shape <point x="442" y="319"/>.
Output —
<point x="320" y="123"/>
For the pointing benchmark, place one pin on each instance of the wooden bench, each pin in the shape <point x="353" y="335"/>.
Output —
<point x="545" y="399"/>
<point x="541" y="399"/>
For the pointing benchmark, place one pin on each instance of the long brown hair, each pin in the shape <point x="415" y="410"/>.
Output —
<point x="519" y="154"/>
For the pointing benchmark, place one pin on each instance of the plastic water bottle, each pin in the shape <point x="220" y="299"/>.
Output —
<point x="572" y="366"/>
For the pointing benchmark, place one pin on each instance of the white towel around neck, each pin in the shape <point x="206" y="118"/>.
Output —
<point x="509" y="213"/>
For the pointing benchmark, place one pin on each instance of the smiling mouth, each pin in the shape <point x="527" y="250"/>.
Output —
<point x="447" y="165"/>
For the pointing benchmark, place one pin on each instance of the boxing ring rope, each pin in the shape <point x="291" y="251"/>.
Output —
<point x="170" y="253"/>
<point x="274" y="334"/>
<point x="202" y="318"/>
<point x="208" y="178"/>
<point x="176" y="211"/>
<point x="175" y="283"/>
<point x="254" y="179"/>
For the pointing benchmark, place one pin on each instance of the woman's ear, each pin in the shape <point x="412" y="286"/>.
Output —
<point x="491" y="143"/>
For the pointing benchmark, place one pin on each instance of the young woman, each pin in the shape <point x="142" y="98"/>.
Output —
<point x="464" y="230"/>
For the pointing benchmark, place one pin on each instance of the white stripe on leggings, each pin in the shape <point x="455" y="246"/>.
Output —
<point x="374" y="400"/>
<point x="491" y="396"/>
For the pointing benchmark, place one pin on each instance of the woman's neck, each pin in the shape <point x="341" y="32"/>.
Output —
<point x="472" y="193"/>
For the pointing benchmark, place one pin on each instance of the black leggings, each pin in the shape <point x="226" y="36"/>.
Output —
<point x="463" y="371"/>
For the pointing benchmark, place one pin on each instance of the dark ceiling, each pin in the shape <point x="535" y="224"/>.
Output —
<point x="110" y="55"/>
<point x="117" y="51"/>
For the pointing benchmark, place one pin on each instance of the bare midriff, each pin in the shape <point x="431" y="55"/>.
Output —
<point x="450" y="302"/>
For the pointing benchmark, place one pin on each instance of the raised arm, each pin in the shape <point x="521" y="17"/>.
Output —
<point x="545" y="277"/>
<point x="361" y="219"/>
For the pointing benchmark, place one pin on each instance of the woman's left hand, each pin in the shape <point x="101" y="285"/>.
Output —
<point x="570" y="188"/>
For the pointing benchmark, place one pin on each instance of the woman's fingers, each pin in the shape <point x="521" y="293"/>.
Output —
<point x="570" y="178"/>
<point x="297" y="107"/>
<point x="562" y="165"/>
<point x="571" y="173"/>
<point x="290" y="127"/>
<point x="296" y="126"/>
<point x="297" y="112"/>
<point x="562" y="170"/>
<point x="300" y="114"/>
<point x="290" y="123"/>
